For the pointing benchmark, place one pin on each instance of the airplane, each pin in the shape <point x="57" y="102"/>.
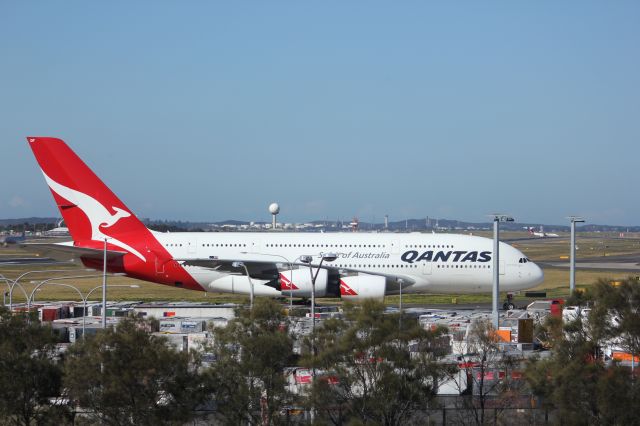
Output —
<point x="541" y="233"/>
<point x="351" y="266"/>
<point x="14" y="239"/>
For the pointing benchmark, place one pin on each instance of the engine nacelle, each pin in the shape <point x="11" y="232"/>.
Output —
<point x="297" y="282"/>
<point x="362" y="286"/>
<point x="240" y="284"/>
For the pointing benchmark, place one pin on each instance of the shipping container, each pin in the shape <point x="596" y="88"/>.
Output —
<point x="504" y="334"/>
<point x="53" y="312"/>
<point x="624" y="356"/>
<point x="178" y="340"/>
<point x="117" y="312"/>
<point x="61" y="331"/>
<point x="195" y="326"/>
<point x="75" y="333"/>
<point x="78" y="311"/>
<point x="198" y="341"/>
<point x="525" y="330"/>
<point x="170" y="325"/>
<point x="96" y="310"/>
<point x="48" y="314"/>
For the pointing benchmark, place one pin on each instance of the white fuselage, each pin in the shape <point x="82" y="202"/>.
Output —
<point x="432" y="263"/>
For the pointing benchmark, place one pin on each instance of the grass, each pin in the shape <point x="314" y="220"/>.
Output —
<point x="556" y="281"/>
<point x="589" y="245"/>
<point x="555" y="284"/>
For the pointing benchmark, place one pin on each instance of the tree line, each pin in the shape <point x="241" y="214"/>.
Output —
<point x="367" y="367"/>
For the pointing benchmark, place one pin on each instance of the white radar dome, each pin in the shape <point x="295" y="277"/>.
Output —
<point x="274" y="208"/>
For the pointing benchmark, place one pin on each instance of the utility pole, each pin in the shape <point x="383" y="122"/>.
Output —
<point x="572" y="263"/>
<point x="497" y="218"/>
<point x="104" y="287"/>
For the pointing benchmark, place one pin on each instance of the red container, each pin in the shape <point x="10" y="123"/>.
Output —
<point x="49" y="314"/>
<point x="556" y="307"/>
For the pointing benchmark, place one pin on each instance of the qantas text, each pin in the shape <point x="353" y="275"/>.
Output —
<point x="445" y="256"/>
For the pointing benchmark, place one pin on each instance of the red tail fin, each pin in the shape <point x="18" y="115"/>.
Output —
<point x="91" y="211"/>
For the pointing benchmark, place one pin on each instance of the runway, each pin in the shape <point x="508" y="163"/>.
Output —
<point x="606" y="263"/>
<point x="29" y="261"/>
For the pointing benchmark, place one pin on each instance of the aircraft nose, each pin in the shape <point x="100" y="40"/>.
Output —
<point x="535" y="273"/>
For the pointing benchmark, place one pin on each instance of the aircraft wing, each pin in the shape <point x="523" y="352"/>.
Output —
<point x="257" y="269"/>
<point x="67" y="251"/>
<point x="268" y="269"/>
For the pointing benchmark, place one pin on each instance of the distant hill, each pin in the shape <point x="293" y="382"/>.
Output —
<point x="407" y="225"/>
<point x="30" y="220"/>
<point x="453" y="225"/>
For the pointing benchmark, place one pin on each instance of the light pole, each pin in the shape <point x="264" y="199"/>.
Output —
<point x="329" y="257"/>
<point x="5" y="293"/>
<point x="11" y="283"/>
<point x="15" y="282"/>
<point x="290" y="272"/>
<point x="104" y="285"/>
<point x="306" y="259"/>
<point x="41" y="283"/>
<point x="497" y="218"/>
<point x="572" y="263"/>
<point x="83" y="298"/>
<point x="242" y="265"/>
<point x="104" y="308"/>
<point x="400" y="282"/>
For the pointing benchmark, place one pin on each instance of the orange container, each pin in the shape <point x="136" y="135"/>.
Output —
<point x="504" y="335"/>
<point x="624" y="356"/>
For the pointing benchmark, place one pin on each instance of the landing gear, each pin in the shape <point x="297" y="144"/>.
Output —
<point x="508" y="303"/>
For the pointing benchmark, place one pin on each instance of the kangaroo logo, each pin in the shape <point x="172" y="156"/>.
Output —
<point x="345" y="290"/>
<point x="286" y="284"/>
<point x="99" y="216"/>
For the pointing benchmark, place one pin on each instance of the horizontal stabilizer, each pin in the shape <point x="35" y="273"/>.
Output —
<point x="67" y="251"/>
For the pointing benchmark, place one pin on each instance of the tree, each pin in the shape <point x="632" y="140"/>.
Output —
<point x="575" y="380"/>
<point x="125" y="376"/>
<point x="616" y="314"/>
<point x="30" y="378"/>
<point x="366" y="370"/>
<point x="251" y="354"/>
<point x="568" y="381"/>
<point x="495" y="377"/>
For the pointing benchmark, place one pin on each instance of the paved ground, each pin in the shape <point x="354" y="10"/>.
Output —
<point x="28" y="261"/>
<point x="617" y="263"/>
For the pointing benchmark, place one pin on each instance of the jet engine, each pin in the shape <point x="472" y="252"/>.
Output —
<point x="362" y="286"/>
<point x="240" y="284"/>
<point x="297" y="282"/>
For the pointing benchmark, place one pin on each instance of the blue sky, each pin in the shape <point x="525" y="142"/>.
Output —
<point x="212" y="110"/>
